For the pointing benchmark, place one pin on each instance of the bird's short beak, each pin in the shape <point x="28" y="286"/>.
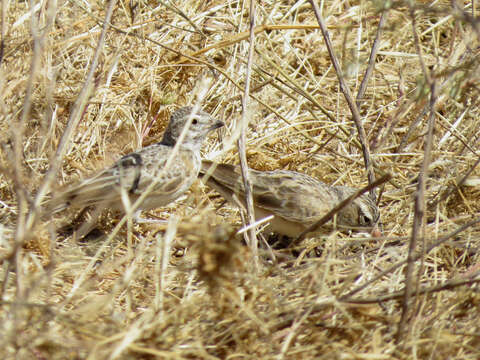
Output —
<point x="376" y="232"/>
<point x="218" y="124"/>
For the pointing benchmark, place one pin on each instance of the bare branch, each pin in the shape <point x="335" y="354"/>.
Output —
<point x="414" y="258"/>
<point x="250" y="234"/>
<point x="418" y="215"/>
<point x="348" y="97"/>
<point x="371" y="59"/>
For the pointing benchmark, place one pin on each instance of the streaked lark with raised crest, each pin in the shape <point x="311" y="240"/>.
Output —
<point x="134" y="172"/>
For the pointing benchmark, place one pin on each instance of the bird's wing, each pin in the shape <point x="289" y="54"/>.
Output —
<point x="293" y="196"/>
<point x="133" y="173"/>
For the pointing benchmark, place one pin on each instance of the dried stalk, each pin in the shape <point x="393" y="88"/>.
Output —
<point x="447" y="285"/>
<point x="348" y="97"/>
<point x="250" y="235"/>
<point x="392" y="268"/>
<point x="418" y="216"/>
<point x="24" y="227"/>
<point x="371" y="59"/>
<point x="420" y="193"/>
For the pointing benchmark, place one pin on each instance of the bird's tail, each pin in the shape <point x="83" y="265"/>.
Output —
<point x="93" y="191"/>
<point x="224" y="174"/>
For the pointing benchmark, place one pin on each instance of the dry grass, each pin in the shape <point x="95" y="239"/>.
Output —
<point x="190" y="289"/>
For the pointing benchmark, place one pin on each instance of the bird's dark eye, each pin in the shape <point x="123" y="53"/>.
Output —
<point x="194" y="121"/>
<point x="364" y="220"/>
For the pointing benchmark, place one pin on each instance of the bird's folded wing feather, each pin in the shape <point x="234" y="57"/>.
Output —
<point x="293" y="196"/>
<point x="133" y="173"/>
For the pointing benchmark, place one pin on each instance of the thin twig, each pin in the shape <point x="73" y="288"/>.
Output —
<point x="348" y="97"/>
<point x="403" y="262"/>
<point x="421" y="187"/>
<point x="418" y="214"/>
<point x="164" y="245"/>
<point x="455" y="186"/>
<point x="22" y="228"/>
<point x="413" y="126"/>
<point x="74" y="118"/>
<point x="75" y="115"/>
<point x="3" y="27"/>
<point x="371" y="60"/>
<point x="250" y="235"/>
<point x="448" y="285"/>
<point x="246" y="34"/>
<point x="175" y="9"/>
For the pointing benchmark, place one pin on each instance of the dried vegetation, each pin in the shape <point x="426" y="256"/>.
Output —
<point x="190" y="289"/>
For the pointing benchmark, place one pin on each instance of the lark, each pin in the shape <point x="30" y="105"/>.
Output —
<point x="295" y="200"/>
<point x="129" y="177"/>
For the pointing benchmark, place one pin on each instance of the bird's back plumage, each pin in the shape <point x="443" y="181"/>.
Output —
<point x="132" y="174"/>
<point x="296" y="198"/>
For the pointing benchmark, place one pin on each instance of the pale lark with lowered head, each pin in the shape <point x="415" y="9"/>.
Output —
<point x="134" y="172"/>
<point x="295" y="200"/>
